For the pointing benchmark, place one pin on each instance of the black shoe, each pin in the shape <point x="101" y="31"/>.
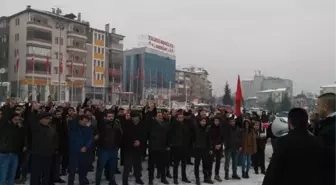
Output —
<point x="256" y="171"/>
<point x="247" y="175"/>
<point x="226" y="176"/>
<point x="117" y="171"/>
<point x="168" y="175"/>
<point x="198" y="182"/>
<point x="208" y="181"/>
<point x="150" y="182"/>
<point x="217" y="178"/>
<point x="59" y="180"/>
<point x="244" y="175"/>
<point x="64" y="173"/>
<point x="164" y="181"/>
<point x="263" y="172"/>
<point x="158" y="176"/>
<point x="139" y="181"/>
<point x="236" y="177"/>
<point x="175" y="181"/>
<point x="185" y="179"/>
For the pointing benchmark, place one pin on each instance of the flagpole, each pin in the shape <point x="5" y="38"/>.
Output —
<point x="186" y="96"/>
<point x="169" y="94"/>
<point x="18" y="76"/>
<point x="150" y="80"/>
<point x="33" y="86"/>
<point x="72" y="84"/>
<point x="137" y="90"/>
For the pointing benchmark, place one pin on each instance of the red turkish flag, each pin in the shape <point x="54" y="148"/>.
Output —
<point x="239" y="98"/>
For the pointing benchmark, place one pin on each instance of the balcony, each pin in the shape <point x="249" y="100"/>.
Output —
<point x="118" y="47"/>
<point x="75" y="77"/>
<point x="76" y="63"/>
<point x="78" y="34"/>
<point x="38" y="74"/>
<point x="39" y="25"/>
<point x="76" y="48"/>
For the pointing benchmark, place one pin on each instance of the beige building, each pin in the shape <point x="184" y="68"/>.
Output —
<point x="192" y="83"/>
<point x="45" y="43"/>
<point x="59" y="54"/>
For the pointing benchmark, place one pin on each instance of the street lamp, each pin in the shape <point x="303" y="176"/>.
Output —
<point x="59" y="26"/>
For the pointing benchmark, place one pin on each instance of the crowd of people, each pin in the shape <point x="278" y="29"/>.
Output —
<point x="49" y="142"/>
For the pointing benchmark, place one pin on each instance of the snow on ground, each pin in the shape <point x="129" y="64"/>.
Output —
<point x="253" y="180"/>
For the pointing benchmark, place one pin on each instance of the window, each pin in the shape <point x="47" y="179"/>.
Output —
<point x="102" y="64"/>
<point x="95" y="36"/>
<point x="56" y="70"/>
<point x="17" y="21"/>
<point x="61" y="41"/>
<point x="16" y="52"/>
<point x="56" y="55"/>
<point x="33" y="50"/>
<point x="98" y="63"/>
<point x="102" y="37"/>
<point x="4" y="53"/>
<point x="94" y="63"/>
<point x="4" y="39"/>
<point x="98" y="36"/>
<point x="16" y="37"/>
<point x="56" y="40"/>
<point x="102" y="50"/>
<point x="95" y="49"/>
<point x="98" y="49"/>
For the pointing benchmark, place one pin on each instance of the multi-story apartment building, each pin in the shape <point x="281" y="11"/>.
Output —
<point x="105" y="58"/>
<point x="193" y="84"/>
<point x="262" y="83"/>
<point x="50" y="50"/>
<point x="4" y="49"/>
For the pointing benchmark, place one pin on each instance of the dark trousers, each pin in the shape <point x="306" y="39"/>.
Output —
<point x="40" y="170"/>
<point x="106" y="157"/>
<point x="218" y="157"/>
<point x="231" y="154"/>
<point x="259" y="159"/>
<point x="132" y="159"/>
<point x="158" y="159"/>
<point x="179" y="155"/>
<point x="78" y="161"/>
<point x="55" y="168"/>
<point x="26" y="165"/>
<point x="65" y="161"/>
<point x="202" y="154"/>
<point x="21" y="158"/>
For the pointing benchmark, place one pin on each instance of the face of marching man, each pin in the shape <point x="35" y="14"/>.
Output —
<point x="180" y="118"/>
<point x="159" y="116"/>
<point x="203" y="122"/>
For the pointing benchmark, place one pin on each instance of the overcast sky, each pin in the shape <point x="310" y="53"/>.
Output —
<point x="292" y="39"/>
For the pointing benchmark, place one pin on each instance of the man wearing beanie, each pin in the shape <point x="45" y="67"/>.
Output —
<point x="43" y="146"/>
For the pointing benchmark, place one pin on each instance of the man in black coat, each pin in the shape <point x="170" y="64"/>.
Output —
<point x="217" y="144"/>
<point x="326" y="107"/>
<point x="158" y="147"/>
<point x="133" y="140"/>
<point x="180" y="137"/>
<point x="297" y="157"/>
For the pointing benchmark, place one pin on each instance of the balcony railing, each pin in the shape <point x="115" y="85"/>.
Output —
<point x="77" y="48"/>
<point x="78" y="62"/>
<point x="39" y="24"/>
